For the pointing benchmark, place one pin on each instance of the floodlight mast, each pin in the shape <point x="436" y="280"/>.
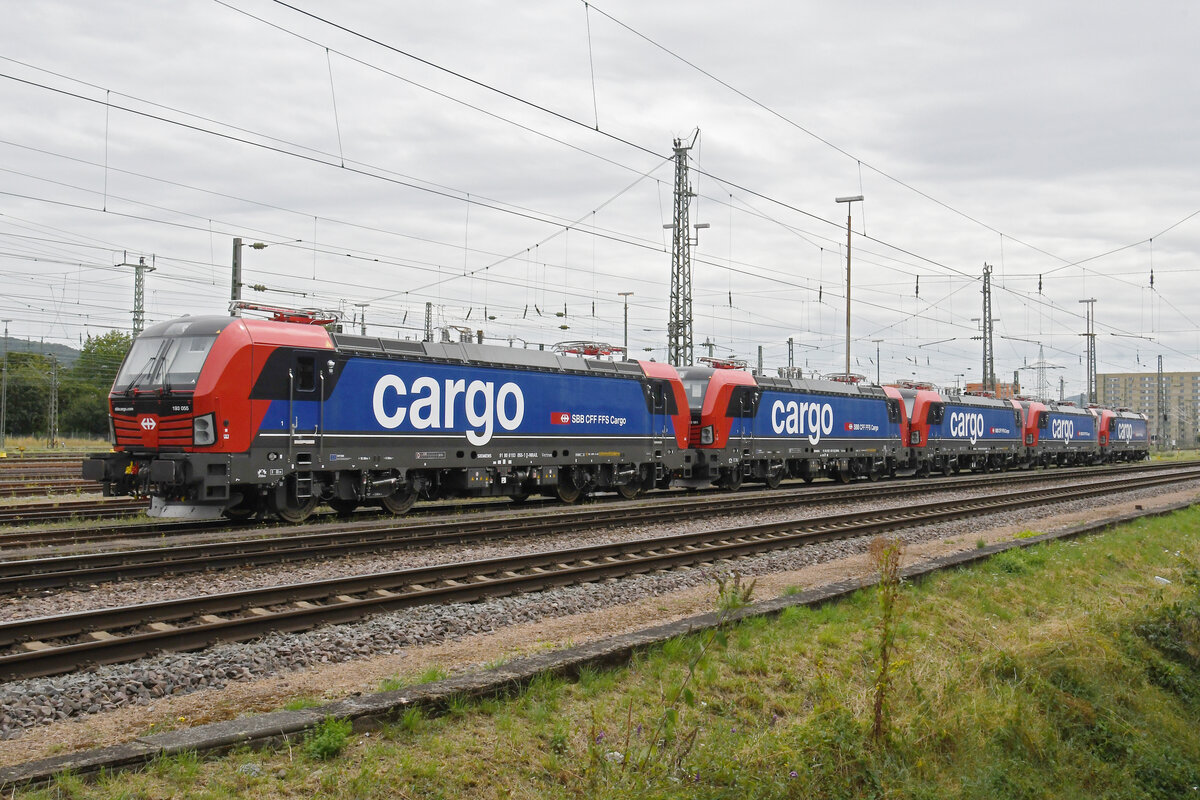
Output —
<point x="848" y="200"/>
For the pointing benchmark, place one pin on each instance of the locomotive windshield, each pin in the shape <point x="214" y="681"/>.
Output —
<point x="695" y="384"/>
<point x="695" y="392"/>
<point x="163" y="362"/>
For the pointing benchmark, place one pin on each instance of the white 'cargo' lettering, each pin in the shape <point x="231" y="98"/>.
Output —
<point x="966" y="425"/>
<point x="813" y="420"/>
<point x="1062" y="429"/>
<point x="430" y="404"/>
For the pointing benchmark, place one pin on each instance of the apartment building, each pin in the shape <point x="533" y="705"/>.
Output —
<point x="1175" y="424"/>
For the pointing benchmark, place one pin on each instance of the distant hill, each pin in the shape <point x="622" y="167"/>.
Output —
<point x="66" y="355"/>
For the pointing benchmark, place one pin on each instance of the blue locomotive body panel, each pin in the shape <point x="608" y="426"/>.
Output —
<point x="476" y="404"/>
<point x="1129" y="430"/>
<point x="1071" y="429"/>
<point x="811" y="418"/>
<point x="994" y="425"/>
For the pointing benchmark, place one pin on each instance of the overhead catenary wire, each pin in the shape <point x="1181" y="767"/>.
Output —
<point x="453" y="195"/>
<point x="564" y="229"/>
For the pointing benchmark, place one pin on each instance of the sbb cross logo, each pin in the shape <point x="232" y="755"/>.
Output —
<point x="148" y="423"/>
<point x="560" y="418"/>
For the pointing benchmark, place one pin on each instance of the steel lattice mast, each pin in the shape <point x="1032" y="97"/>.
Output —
<point x="680" y="351"/>
<point x="989" y="364"/>
<point x="1091" y="350"/>
<point x="139" y="292"/>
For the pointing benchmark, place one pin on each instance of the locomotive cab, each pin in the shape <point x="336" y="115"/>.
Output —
<point x="722" y="403"/>
<point x="160" y="410"/>
<point x="151" y="396"/>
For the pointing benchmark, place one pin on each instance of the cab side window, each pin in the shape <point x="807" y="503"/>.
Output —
<point x="660" y="399"/>
<point x="743" y="402"/>
<point x="306" y="374"/>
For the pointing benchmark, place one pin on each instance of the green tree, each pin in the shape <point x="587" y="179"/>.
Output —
<point x="83" y="390"/>
<point x="28" y="408"/>
<point x="100" y="359"/>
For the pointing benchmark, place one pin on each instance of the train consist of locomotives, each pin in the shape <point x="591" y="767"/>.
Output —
<point x="239" y="417"/>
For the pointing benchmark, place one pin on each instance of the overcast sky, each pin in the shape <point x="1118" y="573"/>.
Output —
<point x="505" y="160"/>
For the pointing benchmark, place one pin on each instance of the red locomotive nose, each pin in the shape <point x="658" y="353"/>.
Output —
<point x="148" y="425"/>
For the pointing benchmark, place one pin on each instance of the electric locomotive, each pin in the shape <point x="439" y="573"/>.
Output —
<point x="230" y="416"/>
<point x="1124" y="435"/>
<point x="948" y="433"/>
<point x="762" y="429"/>
<point x="1060" y="433"/>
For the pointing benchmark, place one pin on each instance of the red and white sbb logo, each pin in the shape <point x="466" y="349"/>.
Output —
<point x="560" y="418"/>
<point x="148" y="423"/>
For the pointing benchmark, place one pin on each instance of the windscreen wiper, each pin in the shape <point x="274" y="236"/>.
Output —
<point x="148" y="369"/>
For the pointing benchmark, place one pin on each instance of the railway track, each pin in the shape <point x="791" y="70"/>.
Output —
<point x="40" y="472"/>
<point x="34" y="487"/>
<point x="15" y="462"/>
<point x="23" y="576"/>
<point x="83" y="534"/>
<point x="54" y="645"/>
<point x="62" y="510"/>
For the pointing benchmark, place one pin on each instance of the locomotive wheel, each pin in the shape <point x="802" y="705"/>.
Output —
<point x="774" y="479"/>
<point x="731" y="478"/>
<point x="519" y="498"/>
<point x="344" y="508"/>
<point x="243" y="509"/>
<point x="289" y="508"/>
<point x="401" y="500"/>
<point x="842" y="475"/>
<point x="568" y="492"/>
<point x="629" y="490"/>
<point x="947" y="468"/>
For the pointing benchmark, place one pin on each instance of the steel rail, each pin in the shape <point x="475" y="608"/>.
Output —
<point x="120" y="634"/>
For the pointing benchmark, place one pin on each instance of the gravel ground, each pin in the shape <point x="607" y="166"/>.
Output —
<point x="30" y="703"/>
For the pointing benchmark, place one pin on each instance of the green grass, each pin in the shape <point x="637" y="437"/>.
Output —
<point x="1063" y="670"/>
<point x="33" y="446"/>
<point x="1174" y="455"/>
<point x="328" y="739"/>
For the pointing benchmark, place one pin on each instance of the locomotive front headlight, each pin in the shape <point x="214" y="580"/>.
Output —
<point x="204" y="430"/>
<point x="706" y="435"/>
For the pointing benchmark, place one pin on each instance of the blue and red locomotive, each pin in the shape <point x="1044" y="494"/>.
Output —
<point x="240" y="417"/>
<point x="218" y="415"/>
